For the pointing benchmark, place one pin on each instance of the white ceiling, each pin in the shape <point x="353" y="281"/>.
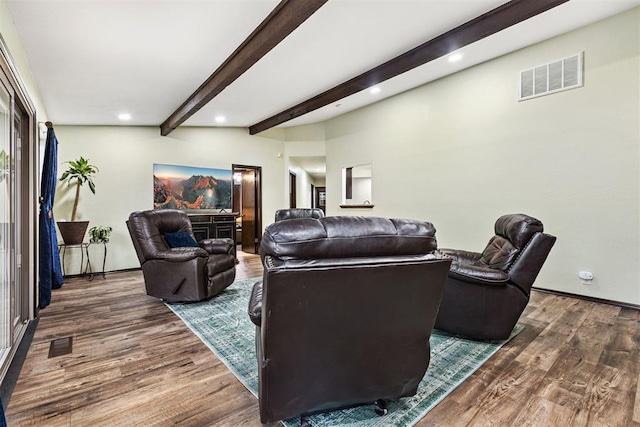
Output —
<point x="95" y="59"/>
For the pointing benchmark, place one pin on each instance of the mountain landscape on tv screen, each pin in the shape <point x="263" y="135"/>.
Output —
<point x="196" y="192"/>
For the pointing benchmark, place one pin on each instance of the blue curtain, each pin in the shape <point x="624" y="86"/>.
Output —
<point x="50" y="270"/>
<point x="3" y="420"/>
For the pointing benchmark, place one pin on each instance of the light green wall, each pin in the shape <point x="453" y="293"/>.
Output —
<point x="303" y="141"/>
<point x="303" y="185"/>
<point x="125" y="157"/>
<point x="462" y="151"/>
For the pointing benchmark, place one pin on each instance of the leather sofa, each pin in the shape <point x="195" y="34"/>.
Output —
<point x="344" y="312"/>
<point x="487" y="291"/>
<point x="291" y="213"/>
<point x="188" y="272"/>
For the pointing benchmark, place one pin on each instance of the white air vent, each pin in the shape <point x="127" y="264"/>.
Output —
<point x="555" y="76"/>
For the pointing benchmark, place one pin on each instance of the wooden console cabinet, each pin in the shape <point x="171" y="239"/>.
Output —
<point x="212" y="226"/>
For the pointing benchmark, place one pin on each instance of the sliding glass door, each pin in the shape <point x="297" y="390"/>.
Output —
<point x="7" y="192"/>
<point x="18" y="282"/>
<point x="14" y="227"/>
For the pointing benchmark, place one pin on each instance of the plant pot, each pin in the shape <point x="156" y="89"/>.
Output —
<point x="73" y="232"/>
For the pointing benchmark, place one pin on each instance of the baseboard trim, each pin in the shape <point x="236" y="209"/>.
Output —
<point x="99" y="273"/>
<point x="125" y="270"/>
<point x="11" y="377"/>
<point x="548" y="291"/>
<point x="591" y="299"/>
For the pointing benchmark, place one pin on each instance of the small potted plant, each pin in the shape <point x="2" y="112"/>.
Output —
<point x="100" y="234"/>
<point x="78" y="173"/>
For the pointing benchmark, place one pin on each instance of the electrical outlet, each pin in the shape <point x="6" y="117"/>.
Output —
<point x="586" y="275"/>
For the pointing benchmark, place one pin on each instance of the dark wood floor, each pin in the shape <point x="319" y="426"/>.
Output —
<point x="134" y="363"/>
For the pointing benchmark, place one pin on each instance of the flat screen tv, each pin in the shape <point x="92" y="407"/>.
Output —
<point x="191" y="188"/>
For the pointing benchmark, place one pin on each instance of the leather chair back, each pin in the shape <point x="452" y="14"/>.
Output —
<point x="147" y="227"/>
<point x="513" y="232"/>
<point x="351" y="304"/>
<point x="336" y="237"/>
<point x="292" y="213"/>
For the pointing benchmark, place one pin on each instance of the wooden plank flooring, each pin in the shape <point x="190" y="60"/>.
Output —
<point x="134" y="363"/>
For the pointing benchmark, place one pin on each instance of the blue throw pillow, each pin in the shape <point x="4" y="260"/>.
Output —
<point x="180" y="239"/>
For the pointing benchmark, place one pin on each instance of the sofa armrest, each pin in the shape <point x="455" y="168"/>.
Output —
<point x="217" y="246"/>
<point x="461" y="256"/>
<point x="180" y="254"/>
<point x="478" y="275"/>
<point x="255" y="304"/>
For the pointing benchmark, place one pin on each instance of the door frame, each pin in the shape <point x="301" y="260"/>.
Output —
<point x="316" y="196"/>
<point x="293" y="190"/>
<point x="313" y="196"/>
<point x="258" y="207"/>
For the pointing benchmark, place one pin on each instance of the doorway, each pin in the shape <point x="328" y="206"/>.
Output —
<point x="321" y="199"/>
<point x="247" y="201"/>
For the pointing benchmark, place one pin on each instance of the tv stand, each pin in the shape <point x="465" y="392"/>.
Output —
<point x="215" y="226"/>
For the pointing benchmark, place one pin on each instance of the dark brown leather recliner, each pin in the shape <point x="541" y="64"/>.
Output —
<point x="487" y="292"/>
<point x="291" y="213"/>
<point x="344" y="312"/>
<point x="179" y="274"/>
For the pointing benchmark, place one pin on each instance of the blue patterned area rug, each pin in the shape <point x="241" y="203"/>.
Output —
<point x="223" y="324"/>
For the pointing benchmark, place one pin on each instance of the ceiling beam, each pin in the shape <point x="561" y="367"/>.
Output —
<point x="498" y="19"/>
<point x="281" y="22"/>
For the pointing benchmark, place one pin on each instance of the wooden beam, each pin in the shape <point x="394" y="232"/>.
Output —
<point x="496" y="20"/>
<point x="281" y="22"/>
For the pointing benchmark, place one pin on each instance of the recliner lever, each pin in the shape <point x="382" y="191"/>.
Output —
<point x="177" y="287"/>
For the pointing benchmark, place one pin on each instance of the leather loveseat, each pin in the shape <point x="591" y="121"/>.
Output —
<point x="344" y="312"/>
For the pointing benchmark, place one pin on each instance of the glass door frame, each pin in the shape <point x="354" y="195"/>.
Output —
<point x="22" y="134"/>
<point x="6" y="231"/>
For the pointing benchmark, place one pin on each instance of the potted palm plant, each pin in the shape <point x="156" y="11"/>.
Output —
<point x="78" y="173"/>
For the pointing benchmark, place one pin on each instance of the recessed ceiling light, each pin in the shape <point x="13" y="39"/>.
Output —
<point x="220" y="119"/>
<point x="374" y="90"/>
<point x="455" y="57"/>
<point x="124" y="116"/>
